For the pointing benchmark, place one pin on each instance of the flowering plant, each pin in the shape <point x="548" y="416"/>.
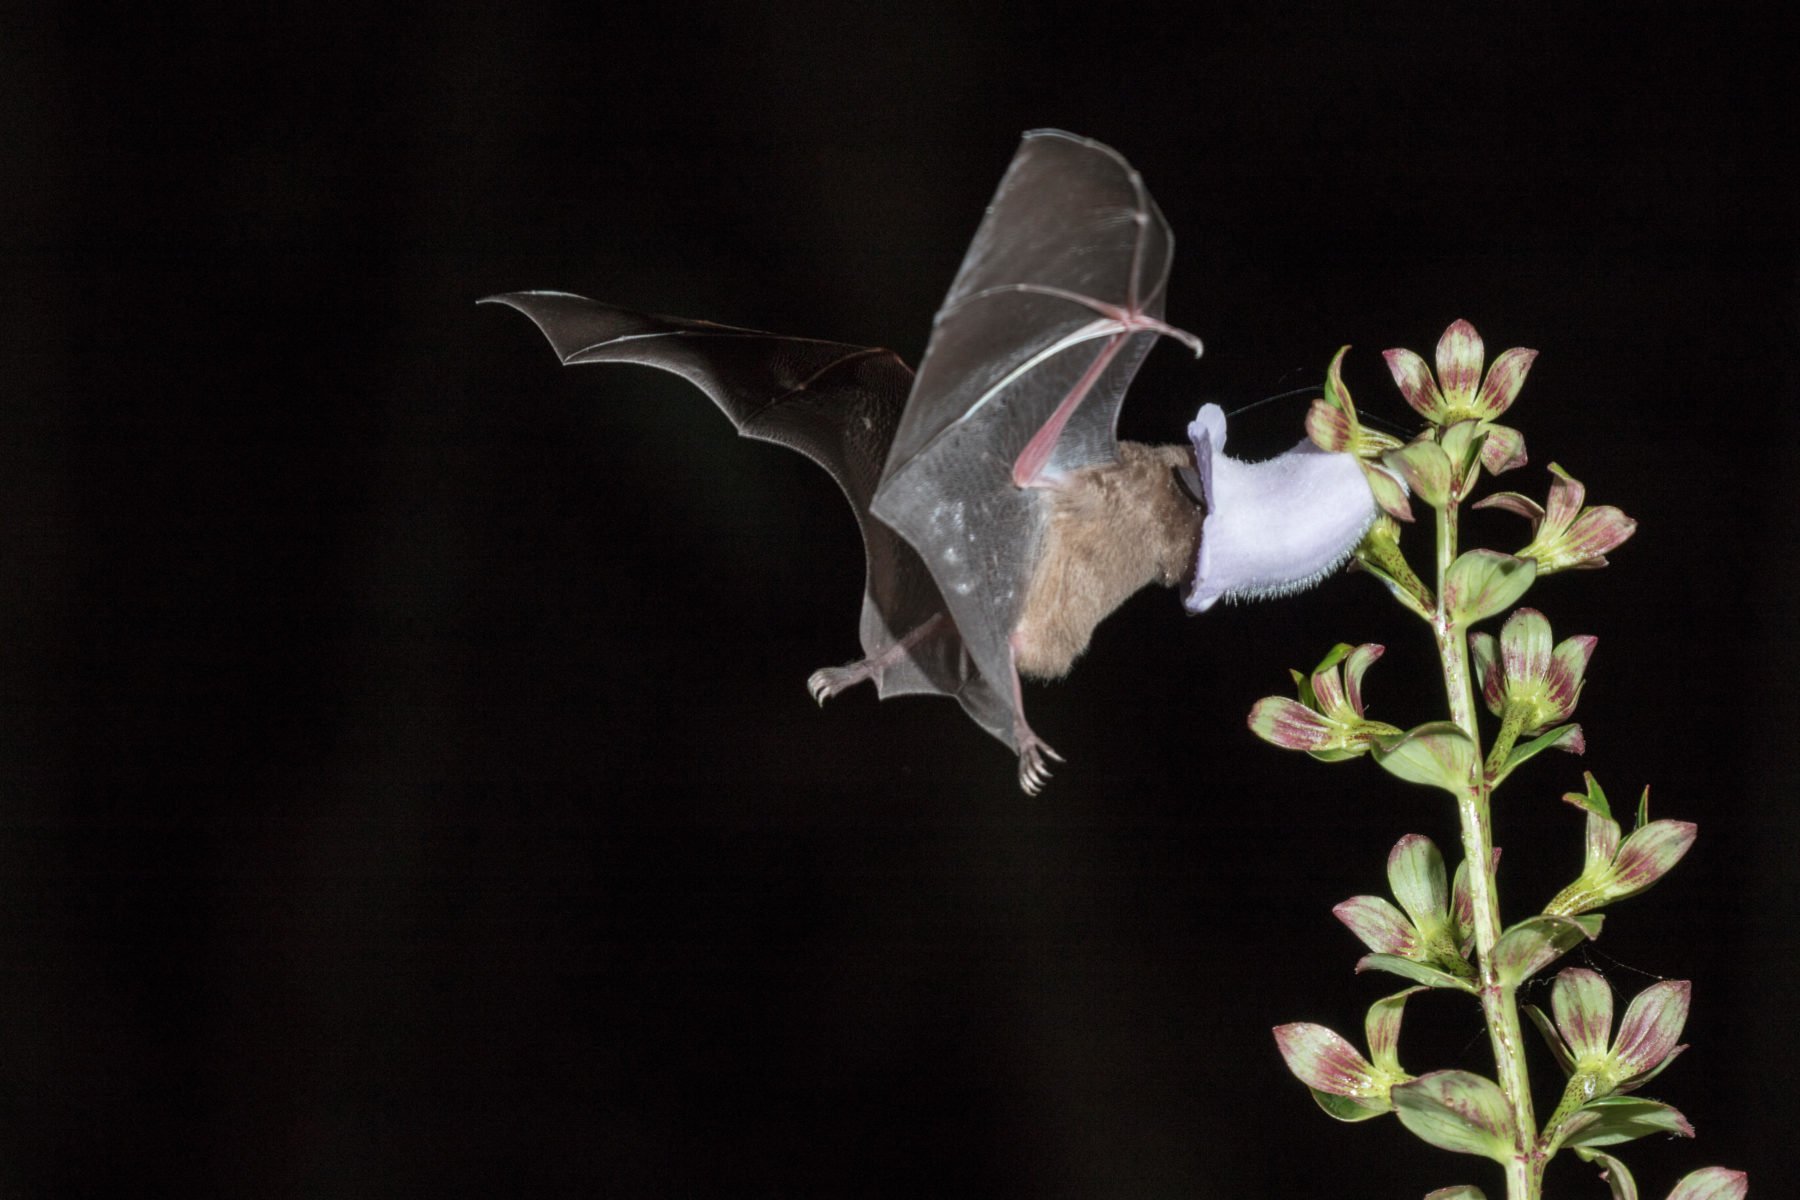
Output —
<point x="1443" y="933"/>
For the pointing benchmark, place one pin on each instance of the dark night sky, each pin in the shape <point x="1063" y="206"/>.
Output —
<point x="408" y="783"/>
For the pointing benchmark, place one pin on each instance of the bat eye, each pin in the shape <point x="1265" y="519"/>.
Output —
<point x="1188" y="480"/>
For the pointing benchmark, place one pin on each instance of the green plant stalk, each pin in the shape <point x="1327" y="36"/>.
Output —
<point x="1499" y="1003"/>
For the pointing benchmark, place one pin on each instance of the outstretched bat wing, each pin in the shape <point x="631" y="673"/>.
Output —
<point x="1056" y="304"/>
<point x="837" y="404"/>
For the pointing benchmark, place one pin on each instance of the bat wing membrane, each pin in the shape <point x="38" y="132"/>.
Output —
<point x="837" y="404"/>
<point x="1058" y="300"/>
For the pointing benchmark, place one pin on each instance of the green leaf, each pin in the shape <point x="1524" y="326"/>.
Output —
<point x="1396" y="589"/>
<point x="1457" y="1111"/>
<point x="1594" y="800"/>
<point x="1439" y="754"/>
<point x="1462" y="446"/>
<point x="1614" y="1119"/>
<point x="1349" y="1108"/>
<point x="1481" y="583"/>
<point x="1418" y="972"/>
<point x="1462" y="1191"/>
<point x="1425" y="468"/>
<point x="1623" y="1186"/>
<point x="1563" y="737"/>
<point x="1534" y="944"/>
<point x="1712" y="1183"/>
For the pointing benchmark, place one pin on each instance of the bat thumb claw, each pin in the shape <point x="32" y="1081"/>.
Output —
<point x="827" y="682"/>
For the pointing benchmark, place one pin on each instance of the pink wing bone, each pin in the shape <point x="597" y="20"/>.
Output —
<point x="1116" y="323"/>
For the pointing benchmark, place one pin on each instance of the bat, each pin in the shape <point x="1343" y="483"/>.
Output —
<point x="1003" y="519"/>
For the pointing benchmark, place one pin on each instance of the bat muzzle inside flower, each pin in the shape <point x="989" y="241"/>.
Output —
<point x="1272" y="527"/>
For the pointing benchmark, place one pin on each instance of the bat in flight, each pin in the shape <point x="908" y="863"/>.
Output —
<point x="1002" y="517"/>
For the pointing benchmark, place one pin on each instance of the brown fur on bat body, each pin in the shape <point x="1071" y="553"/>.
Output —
<point x="1002" y="518"/>
<point x="1111" y="531"/>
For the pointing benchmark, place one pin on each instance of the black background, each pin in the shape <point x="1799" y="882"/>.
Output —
<point x="408" y="784"/>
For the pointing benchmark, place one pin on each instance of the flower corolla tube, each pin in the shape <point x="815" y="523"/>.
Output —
<point x="1272" y="527"/>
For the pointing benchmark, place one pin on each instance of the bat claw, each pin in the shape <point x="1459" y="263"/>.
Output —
<point x="827" y="682"/>
<point x="1034" y="772"/>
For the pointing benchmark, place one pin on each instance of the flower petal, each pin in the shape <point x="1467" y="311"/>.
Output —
<point x="1504" y="379"/>
<point x="1329" y="428"/>
<point x="1649" y="854"/>
<point x="1358" y="661"/>
<point x="1513" y="502"/>
<point x="1290" y="725"/>
<point x="1595" y="534"/>
<point x="1534" y="944"/>
<point x="1601" y="846"/>
<point x="1652" y="1026"/>
<point x="1382" y="1029"/>
<point x="1504" y="449"/>
<point x="1462" y="899"/>
<point x="1583" y="1003"/>
<point x="1414" y="380"/>
<point x="1569" y="663"/>
<point x="1273" y="527"/>
<point x="1525" y="645"/>
<point x="1415" y="872"/>
<point x="1459" y="357"/>
<point x="1322" y="1059"/>
<point x="1388" y="491"/>
<point x="1327" y="683"/>
<point x="1378" y="925"/>
<point x="1712" y="1183"/>
<point x="1486" y="668"/>
<point x="1566" y="496"/>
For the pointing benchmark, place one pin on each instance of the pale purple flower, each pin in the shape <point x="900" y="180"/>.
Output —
<point x="1272" y="527"/>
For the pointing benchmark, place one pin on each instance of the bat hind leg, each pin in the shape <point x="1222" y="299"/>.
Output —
<point x="1034" y="772"/>
<point x="827" y="682"/>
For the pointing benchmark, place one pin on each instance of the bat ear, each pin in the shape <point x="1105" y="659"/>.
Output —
<point x="1207" y="435"/>
<point x="1188" y="480"/>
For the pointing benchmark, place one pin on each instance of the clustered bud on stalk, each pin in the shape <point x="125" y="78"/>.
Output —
<point x="1440" y="932"/>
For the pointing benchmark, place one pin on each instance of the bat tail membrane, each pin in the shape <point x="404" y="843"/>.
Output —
<point x="837" y="404"/>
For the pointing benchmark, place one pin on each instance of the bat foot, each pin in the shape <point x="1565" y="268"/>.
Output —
<point x="827" y="682"/>
<point x="1034" y="772"/>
